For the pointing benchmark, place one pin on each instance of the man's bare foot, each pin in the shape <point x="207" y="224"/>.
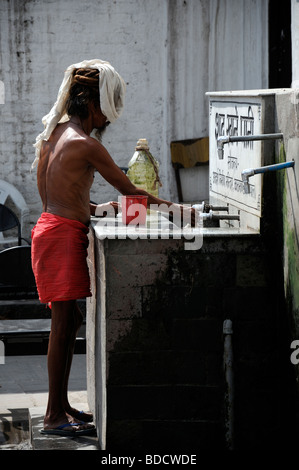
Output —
<point x="63" y="419"/>
<point x="84" y="416"/>
<point x="70" y="429"/>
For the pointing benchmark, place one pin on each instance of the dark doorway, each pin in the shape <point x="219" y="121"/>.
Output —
<point x="280" y="50"/>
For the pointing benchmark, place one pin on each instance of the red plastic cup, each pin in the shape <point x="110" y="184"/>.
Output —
<point x="134" y="210"/>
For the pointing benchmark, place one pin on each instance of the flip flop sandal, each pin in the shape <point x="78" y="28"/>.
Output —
<point x="61" y="431"/>
<point x="89" y="420"/>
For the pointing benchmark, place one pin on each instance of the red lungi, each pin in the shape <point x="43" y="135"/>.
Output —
<point x="59" y="251"/>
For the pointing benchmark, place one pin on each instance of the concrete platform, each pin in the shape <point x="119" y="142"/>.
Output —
<point x="43" y="442"/>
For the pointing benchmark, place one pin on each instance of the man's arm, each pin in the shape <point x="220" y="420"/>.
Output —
<point x="101" y="160"/>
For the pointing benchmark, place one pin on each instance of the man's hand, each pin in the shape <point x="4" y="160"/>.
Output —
<point x="109" y="209"/>
<point x="183" y="215"/>
<point x="189" y="213"/>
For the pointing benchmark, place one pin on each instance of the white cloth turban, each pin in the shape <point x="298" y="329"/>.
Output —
<point x="111" y="91"/>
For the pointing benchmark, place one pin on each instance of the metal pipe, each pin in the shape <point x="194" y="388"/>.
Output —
<point x="211" y="215"/>
<point x="229" y="383"/>
<point x="226" y="217"/>
<point x="224" y="139"/>
<point x="247" y="173"/>
<point x="216" y="208"/>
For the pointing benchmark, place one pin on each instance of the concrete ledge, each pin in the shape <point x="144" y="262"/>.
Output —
<point x="44" y="442"/>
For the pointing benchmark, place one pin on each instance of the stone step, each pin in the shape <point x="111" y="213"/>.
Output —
<point x="46" y="442"/>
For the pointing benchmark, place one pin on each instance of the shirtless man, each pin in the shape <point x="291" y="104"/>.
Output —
<point x="67" y="162"/>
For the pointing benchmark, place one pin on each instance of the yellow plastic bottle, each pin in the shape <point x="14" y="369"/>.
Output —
<point x="143" y="169"/>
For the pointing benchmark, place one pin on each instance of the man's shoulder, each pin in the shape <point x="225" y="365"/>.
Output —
<point x="85" y="147"/>
<point x="93" y="146"/>
<point x="84" y="144"/>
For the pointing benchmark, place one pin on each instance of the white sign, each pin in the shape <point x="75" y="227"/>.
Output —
<point x="240" y="117"/>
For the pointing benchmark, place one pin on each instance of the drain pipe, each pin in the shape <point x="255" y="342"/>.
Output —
<point x="229" y="383"/>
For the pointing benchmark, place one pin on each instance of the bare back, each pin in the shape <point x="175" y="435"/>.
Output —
<point x="64" y="176"/>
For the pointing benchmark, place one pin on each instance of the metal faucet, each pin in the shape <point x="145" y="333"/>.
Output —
<point x="247" y="173"/>
<point x="206" y="212"/>
<point x="224" y="139"/>
<point x="206" y="207"/>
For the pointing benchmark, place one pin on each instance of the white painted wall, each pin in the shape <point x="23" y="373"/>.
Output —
<point x="170" y="52"/>
<point x="295" y="43"/>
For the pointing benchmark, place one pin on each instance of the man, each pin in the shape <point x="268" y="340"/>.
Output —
<point x="90" y="97"/>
